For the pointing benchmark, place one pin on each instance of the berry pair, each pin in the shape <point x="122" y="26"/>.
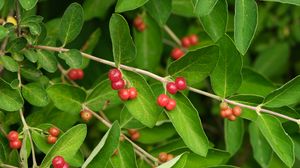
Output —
<point x="86" y="115"/>
<point x="179" y="84"/>
<point x="59" y="162"/>
<point x="118" y="83"/>
<point x="134" y="134"/>
<point x="164" y="157"/>
<point x="139" y="24"/>
<point x="14" y="141"/>
<point x="164" y="101"/>
<point x="53" y="134"/>
<point x="189" y="41"/>
<point x="227" y="112"/>
<point x="75" y="74"/>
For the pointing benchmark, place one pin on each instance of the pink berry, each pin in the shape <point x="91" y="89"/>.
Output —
<point x="171" y="87"/>
<point x="176" y="53"/>
<point x="114" y="75"/>
<point x="132" y="93"/>
<point x="16" y="144"/>
<point x="13" y="136"/>
<point x="162" y="100"/>
<point x="58" y="162"/>
<point x="180" y="83"/>
<point x="171" y="104"/>
<point x="120" y="84"/>
<point x="193" y="39"/>
<point x="185" y="42"/>
<point x="123" y="94"/>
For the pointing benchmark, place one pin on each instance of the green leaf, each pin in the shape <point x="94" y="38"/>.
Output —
<point x="71" y="23"/>
<point x="125" y="158"/>
<point x="245" y="24"/>
<point x="35" y="94"/>
<point x="31" y="55"/>
<point x="67" y="98"/>
<point x="11" y="99"/>
<point x="144" y="107"/>
<point x="175" y="162"/>
<point x="183" y="8"/>
<point x="47" y="60"/>
<point x="278" y="139"/>
<point x="31" y="73"/>
<point x="234" y="133"/>
<point x="1" y="5"/>
<point x="105" y="148"/>
<point x="3" y="31"/>
<point x="72" y="57"/>
<point x="34" y="28"/>
<point x="128" y="121"/>
<point x="125" y="5"/>
<point x="226" y="77"/>
<point x="195" y="65"/>
<point x="215" y="23"/>
<point x="9" y="63"/>
<point x="149" y="45"/>
<point x="159" y="10"/>
<point x="28" y="4"/>
<point x="204" y="7"/>
<point x="286" y="95"/>
<point x="17" y="44"/>
<point x="103" y="7"/>
<point x="294" y="2"/>
<point x="275" y="55"/>
<point x="124" y="50"/>
<point x="67" y="145"/>
<point x="262" y="151"/>
<point x="100" y="94"/>
<point x="187" y="123"/>
<point x="23" y="151"/>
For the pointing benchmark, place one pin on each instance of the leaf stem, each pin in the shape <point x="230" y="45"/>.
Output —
<point x="164" y="80"/>
<point x="7" y="166"/>
<point x="172" y="35"/>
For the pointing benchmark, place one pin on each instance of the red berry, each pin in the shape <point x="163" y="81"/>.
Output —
<point x="171" y="87"/>
<point x="135" y="136"/>
<point x="226" y="113"/>
<point x="162" y="100"/>
<point x="177" y="53"/>
<point x="114" y="75"/>
<point x="132" y="93"/>
<point x="224" y="106"/>
<point x="58" y="162"/>
<point x="51" y="139"/>
<point x="141" y="27"/>
<point x="171" y="104"/>
<point x="86" y="115"/>
<point x="123" y="94"/>
<point x="180" y="83"/>
<point x="185" y="42"/>
<point x="231" y="117"/>
<point x="236" y="111"/>
<point x="80" y="73"/>
<point x="132" y="131"/>
<point x="170" y="157"/>
<point x="193" y="39"/>
<point x="16" y="144"/>
<point x="138" y="21"/>
<point x="163" y="156"/>
<point x="13" y="136"/>
<point x="120" y="84"/>
<point x="54" y="131"/>
<point x="72" y="74"/>
<point x="66" y="165"/>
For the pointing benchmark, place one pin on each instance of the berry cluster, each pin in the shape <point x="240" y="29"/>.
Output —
<point x="76" y="74"/>
<point x="118" y="83"/>
<point x="86" y="115"/>
<point x="227" y="112"/>
<point x="139" y="24"/>
<point x="14" y="141"/>
<point x="59" y="162"/>
<point x="164" y="101"/>
<point x="134" y="134"/>
<point x="53" y="134"/>
<point x="186" y="42"/>
<point x="164" y="157"/>
<point x="179" y="84"/>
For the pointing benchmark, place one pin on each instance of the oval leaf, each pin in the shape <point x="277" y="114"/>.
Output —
<point x="28" y="4"/>
<point x="47" y="60"/>
<point x="11" y="99"/>
<point x="124" y="49"/>
<point x="294" y="2"/>
<point x="214" y="157"/>
<point x="234" y="133"/>
<point x="35" y="94"/>
<point x="159" y="10"/>
<point x="125" y="5"/>
<point x="71" y="23"/>
<point x="180" y="159"/>
<point x="245" y="24"/>
<point x="125" y="158"/>
<point x="72" y="57"/>
<point x="9" y="63"/>
<point x="204" y="7"/>
<point x="67" y="98"/>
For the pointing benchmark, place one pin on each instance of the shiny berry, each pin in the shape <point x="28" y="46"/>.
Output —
<point x="138" y="21"/>
<point x="120" y="84"/>
<point x="163" y="156"/>
<point x="132" y="131"/>
<point x="236" y="111"/>
<point x="224" y="106"/>
<point x="171" y="87"/>
<point x="135" y="136"/>
<point x="141" y="27"/>
<point x="72" y="74"/>
<point x="54" y="131"/>
<point x="226" y="113"/>
<point x="185" y="42"/>
<point x="51" y="139"/>
<point x="58" y="162"/>
<point x="162" y="100"/>
<point x="114" y="75"/>
<point x="193" y="39"/>
<point x="13" y="136"/>
<point x="86" y="115"/>
<point x="171" y="104"/>
<point x="176" y="53"/>
<point x="180" y="83"/>
<point x="170" y="157"/>
<point x="66" y="165"/>
<point x="132" y="93"/>
<point x="123" y="94"/>
<point x="16" y="144"/>
<point x="80" y="74"/>
<point x="231" y="117"/>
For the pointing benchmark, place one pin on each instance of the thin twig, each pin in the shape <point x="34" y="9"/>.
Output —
<point x="172" y="35"/>
<point x="164" y="80"/>
<point x="7" y="166"/>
